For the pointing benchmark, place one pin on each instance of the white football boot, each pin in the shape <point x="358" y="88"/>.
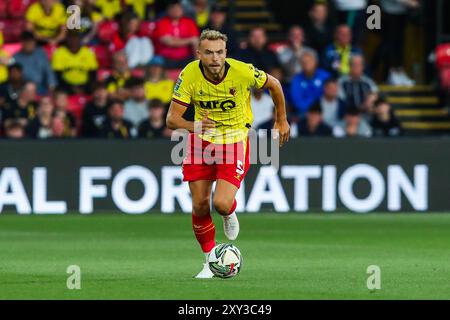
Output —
<point x="205" y="273"/>
<point x="231" y="226"/>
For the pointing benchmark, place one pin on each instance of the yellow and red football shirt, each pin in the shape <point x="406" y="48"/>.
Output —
<point x="227" y="101"/>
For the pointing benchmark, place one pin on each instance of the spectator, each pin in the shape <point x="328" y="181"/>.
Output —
<point x="289" y="56"/>
<point x="23" y="109"/>
<point x="58" y="128"/>
<point x="265" y="128"/>
<point x="353" y="125"/>
<point x="319" y="28"/>
<point x="199" y="10"/>
<point x="333" y="108"/>
<point x="115" y="125"/>
<point x="75" y="65"/>
<point x="46" y="19"/>
<point x="157" y="85"/>
<point x="259" y="55"/>
<point x="61" y="102"/>
<point x="14" y="130"/>
<point x="36" y="66"/>
<point x="384" y="122"/>
<point x="119" y="76"/>
<point x="4" y="61"/>
<point x="337" y="55"/>
<point x="307" y="86"/>
<point x="9" y="91"/>
<point x="262" y="106"/>
<point x="218" y="21"/>
<point x="352" y="13"/>
<point x="395" y="14"/>
<point x="313" y="124"/>
<point x="139" y="50"/>
<point x="155" y="125"/>
<point x="355" y="87"/>
<point x="109" y="9"/>
<point x="135" y="107"/>
<point x="94" y="113"/>
<point x="176" y="37"/>
<point x="89" y="20"/>
<point x="41" y="126"/>
<point x="144" y="9"/>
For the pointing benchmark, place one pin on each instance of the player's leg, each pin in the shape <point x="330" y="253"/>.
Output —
<point x="225" y="204"/>
<point x="202" y="223"/>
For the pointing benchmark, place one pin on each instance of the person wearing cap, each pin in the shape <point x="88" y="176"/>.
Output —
<point x="157" y="85"/>
<point x="36" y="66"/>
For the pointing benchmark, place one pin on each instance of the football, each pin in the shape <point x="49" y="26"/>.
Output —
<point x="225" y="260"/>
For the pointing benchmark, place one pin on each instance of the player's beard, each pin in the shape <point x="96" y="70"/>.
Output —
<point x="216" y="75"/>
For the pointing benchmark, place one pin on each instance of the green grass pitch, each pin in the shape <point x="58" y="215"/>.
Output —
<point x="286" y="256"/>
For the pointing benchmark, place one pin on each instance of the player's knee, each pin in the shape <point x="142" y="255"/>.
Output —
<point x="222" y="206"/>
<point x="201" y="207"/>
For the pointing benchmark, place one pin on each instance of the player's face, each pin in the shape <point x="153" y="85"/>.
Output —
<point x="212" y="54"/>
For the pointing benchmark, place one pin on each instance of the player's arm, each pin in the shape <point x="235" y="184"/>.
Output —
<point x="175" y="120"/>
<point x="280" y="123"/>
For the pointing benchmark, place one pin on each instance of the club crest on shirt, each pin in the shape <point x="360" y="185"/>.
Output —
<point x="233" y="91"/>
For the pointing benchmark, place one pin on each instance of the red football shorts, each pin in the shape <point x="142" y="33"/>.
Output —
<point x="208" y="161"/>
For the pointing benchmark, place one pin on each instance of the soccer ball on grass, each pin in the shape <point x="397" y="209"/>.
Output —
<point x="225" y="260"/>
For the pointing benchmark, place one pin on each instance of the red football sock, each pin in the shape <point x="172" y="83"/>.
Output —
<point x="204" y="231"/>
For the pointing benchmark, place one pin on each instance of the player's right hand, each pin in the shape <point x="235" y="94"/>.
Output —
<point x="204" y="125"/>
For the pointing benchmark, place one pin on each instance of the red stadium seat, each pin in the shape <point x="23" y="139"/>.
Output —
<point x="103" y="55"/>
<point x="173" y="74"/>
<point x="106" y="31"/>
<point x="18" y="8"/>
<point x="3" y="9"/>
<point x="12" y="29"/>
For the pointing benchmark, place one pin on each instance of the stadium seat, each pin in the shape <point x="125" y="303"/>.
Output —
<point x="103" y="55"/>
<point x="106" y="31"/>
<point x="12" y="29"/>
<point x="173" y="74"/>
<point x="18" y="8"/>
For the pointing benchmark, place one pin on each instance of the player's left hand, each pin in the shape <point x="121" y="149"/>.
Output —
<point x="283" y="129"/>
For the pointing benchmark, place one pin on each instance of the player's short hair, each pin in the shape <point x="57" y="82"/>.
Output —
<point x="213" y="35"/>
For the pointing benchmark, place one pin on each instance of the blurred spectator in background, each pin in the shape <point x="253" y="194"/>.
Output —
<point x="61" y="102"/>
<point x="115" y="125"/>
<point x="46" y="19"/>
<point x="9" y="91"/>
<point x="307" y="86"/>
<point x="333" y="108"/>
<point x="157" y="85"/>
<point x="89" y="20"/>
<point x="395" y="14"/>
<point x="260" y="55"/>
<point x="4" y="61"/>
<point x="218" y="21"/>
<point x="155" y="125"/>
<point x="176" y="37"/>
<point x="35" y="63"/>
<point x="352" y="13"/>
<point x="75" y="65"/>
<point x="198" y="10"/>
<point x="14" y="130"/>
<point x="108" y="8"/>
<point x="319" y="28"/>
<point x="262" y="107"/>
<point x="120" y="74"/>
<point x="139" y="50"/>
<point x="355" y="87"/>
<point x="23" y="109"/>
<point x="313" y="124"/>
<point x="289" y="56"/>
<point x="353" y="125"/>
<point x="135" y="107"/>
<point x="337" y="55"/>
<point x="384" y="122"/>
<point x="94" y="113"/>
<point x="41" y="126"/>
<point x="143" y="8"/>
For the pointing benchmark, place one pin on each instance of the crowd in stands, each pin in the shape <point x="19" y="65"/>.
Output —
<point x="111" y="74"/>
